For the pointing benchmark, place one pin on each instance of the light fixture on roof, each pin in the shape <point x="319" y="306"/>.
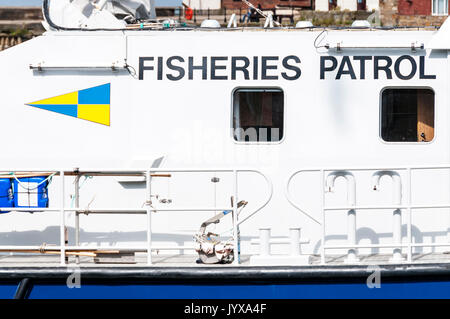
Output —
<point x="361" y="24"/>
<point x="210" y="24"/>
<point x="304" y="24"/>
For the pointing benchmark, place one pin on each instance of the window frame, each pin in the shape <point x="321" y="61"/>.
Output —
<point x="232" y="114"/>
<point x="439" y="14"/>
<point x="380" y="115"/>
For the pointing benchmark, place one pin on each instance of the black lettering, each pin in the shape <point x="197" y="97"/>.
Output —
<point x="413" y="67"/>
<point x="377" y="68"/>
<point x="203" y="67"/>
<point x="179" y="69"/>
<point x="422" y="70"/>
<point x="346" y="62"/>
<point x="160" y="68"/>
<point x="324" y="68"/>
<point x="265" y="68"/>
<point x="235" y="68"/>
<point x="290" y="67"/>
<point x="143" y="68"/>
<point x="215" y="67"/>
<point x="362" y="65"/>
<point x="255" y="68"/>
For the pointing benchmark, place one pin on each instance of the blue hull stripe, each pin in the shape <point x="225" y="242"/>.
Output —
<point x="396" y="290"/>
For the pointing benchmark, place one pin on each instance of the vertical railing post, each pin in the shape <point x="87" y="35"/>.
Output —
<point x="237" y="244"/>
<point x="148" y="198"/>
<point x="351" y="219"/>
<point x="77" y="216"/>
<point x="322" y="205"/>
<point x="62" y="222"/>
<point x="351" y="213"/>
<point x="294" y="234"/>
<point x="351" y="233"/>
<point x="397" y="220"/>
<point x="397" y="214"/>
<point x="264" y="241"/>
<point x="409" y="231"/>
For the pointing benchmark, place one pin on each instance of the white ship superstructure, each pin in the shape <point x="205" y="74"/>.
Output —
<point x="316" y="145"/>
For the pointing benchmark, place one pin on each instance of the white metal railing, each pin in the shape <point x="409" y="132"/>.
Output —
<point x="398" y="205"/>
<point x="148" y="210"/>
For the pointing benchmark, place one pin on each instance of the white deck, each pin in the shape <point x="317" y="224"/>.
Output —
<point x="19" y="261"/>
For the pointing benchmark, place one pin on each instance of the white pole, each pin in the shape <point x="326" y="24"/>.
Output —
<point x="351" y="214"/>
<point x="409" y="217"/>
<point x="264" y="245"/>
<point x="295" y="241"/>
<point x="237" y="247"/>
<point x="397" y="214"/>
<point x="269" y="21"/>
<point x="397" y="218"/>
<point x="232" y="22"/>
<point x="351" y="233"/>
<point x="63" y="221"/>
<point x="77" y="216"/>
<point x="351" y="197"/>
<point x="322" y="205"/>
<point x="149" y="217"/>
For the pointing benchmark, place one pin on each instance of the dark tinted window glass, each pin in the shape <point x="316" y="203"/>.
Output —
<point x="407" y="115"/>
<point x="258" y="115"/>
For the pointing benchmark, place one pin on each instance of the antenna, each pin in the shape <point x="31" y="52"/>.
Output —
<point x="260" y="12"/>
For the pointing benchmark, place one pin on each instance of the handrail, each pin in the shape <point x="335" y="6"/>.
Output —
<point x="394" y="168"/>
<point x="396" y="206"/>
<point x="269" y="183"/>
<point x="351" y="213"/>
<point x="147" y="209"/>
<point x="291" y="201"/>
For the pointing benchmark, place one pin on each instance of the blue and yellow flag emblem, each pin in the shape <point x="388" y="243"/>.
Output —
<point x="91" y="104"/>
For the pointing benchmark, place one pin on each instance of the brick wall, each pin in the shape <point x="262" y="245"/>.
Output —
<point x="13" y="20"/>
<point x="420" y="20"/>
<point x="414" y="7"/>
<point x="404" y="13"/>
<point x="26" y="13"/>
<point x="266" y="4"/>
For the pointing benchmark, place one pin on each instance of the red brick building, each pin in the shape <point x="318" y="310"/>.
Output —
<point x="268" y="4"/>
<point x="423" y="7"/>
<point x="413" y="12"/>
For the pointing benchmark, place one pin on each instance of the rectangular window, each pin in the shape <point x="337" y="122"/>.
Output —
<point x="440" y="7"/>
<point x="258" y="115"/>
<point x="407" y="115"/>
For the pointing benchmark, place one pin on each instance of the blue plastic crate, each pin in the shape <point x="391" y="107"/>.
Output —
<point x="31" y="192"/>
<point x="6" y="194"/>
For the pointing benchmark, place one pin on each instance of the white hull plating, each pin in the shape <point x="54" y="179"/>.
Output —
<point x="329" y="124"/>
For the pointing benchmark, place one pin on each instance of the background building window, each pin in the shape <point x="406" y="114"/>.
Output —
<point x="440" y="7"/>
<point x="258" y="115"/>
<point x="407" y="115"/>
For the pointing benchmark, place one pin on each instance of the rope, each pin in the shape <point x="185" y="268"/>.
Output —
<point x="48" y="179"/>
<point x="86" y="177"/>
<point x="42" y="248"/>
